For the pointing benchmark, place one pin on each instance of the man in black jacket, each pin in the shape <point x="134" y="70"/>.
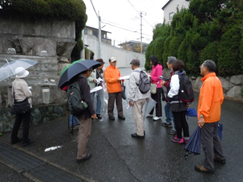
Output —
<point x="85" y="117"/>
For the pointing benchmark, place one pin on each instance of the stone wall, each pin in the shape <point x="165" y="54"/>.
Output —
<point x="39" y="114"/>
<point x="28" y="37"/>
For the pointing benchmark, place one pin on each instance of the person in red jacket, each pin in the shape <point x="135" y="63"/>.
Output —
<point x="209" y="111"/>
<point x="157" y="70"/>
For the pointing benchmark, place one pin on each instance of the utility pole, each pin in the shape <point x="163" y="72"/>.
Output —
<point x="82" y="56"/>
<point x="141" y="38"/>
<point x="99" y="45"/>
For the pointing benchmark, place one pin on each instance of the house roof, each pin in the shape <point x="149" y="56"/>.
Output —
<point x="166" y="4"/>
<point x="132" y="42"/>
<point x="163" y="8"/>
<point x="96" y="29"/>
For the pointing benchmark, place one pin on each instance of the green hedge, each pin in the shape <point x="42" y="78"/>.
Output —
<point x="206" y="30"/>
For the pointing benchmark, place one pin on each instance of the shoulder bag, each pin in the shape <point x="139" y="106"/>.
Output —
<point x="20" y="107"/>
<point x="153" y="88"/>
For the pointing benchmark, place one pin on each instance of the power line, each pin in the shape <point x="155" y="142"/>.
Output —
<point x="94" y="9"/>
<point x="112" y="24"/>
<point x="133" y="7"/>
<point x="139" y="13"/>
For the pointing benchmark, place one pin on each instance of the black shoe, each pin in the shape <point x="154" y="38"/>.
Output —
<point x="111" y="118"/>
<point x="98" y="116"/>
<point x="172" y="132"/>
<point x="16" y="141"/>
<point x="121" y="117"/>
<point x="28" y="142"/>
<point x="87" y="157"/>
<point x="220" y="160"/>
<point x="135" y="135"/>
<point x="169" y="125"/>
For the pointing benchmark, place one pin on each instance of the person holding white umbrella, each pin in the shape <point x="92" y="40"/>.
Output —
<point x="20" y="92"/>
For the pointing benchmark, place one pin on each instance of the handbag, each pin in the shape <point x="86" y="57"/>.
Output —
<point x="21" y="107"/>
<point x="153" y="88"/>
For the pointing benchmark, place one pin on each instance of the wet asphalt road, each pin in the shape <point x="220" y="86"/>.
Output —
<point x="116" y="156"/>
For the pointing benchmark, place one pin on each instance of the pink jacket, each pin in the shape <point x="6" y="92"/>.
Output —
<point x="156" y="72"/>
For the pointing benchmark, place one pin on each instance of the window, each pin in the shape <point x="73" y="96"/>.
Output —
<point x="85" y="31"/>
<point x="171" y="15"/>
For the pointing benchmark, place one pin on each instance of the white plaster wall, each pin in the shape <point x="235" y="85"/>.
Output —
<point x="123" y="57"/>
<point x="172" y="7"/>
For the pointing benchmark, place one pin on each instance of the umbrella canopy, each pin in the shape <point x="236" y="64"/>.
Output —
<point x="75" y="69"/>
<point x="220" y="131"/>
<point x="70" y="65"/>
<point x="8" y="69"/>
<point x="194" y="143"/>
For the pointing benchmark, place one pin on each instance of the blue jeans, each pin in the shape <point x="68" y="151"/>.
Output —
<point x="169" y="115"/>
<point x="92" y="97"/>
<point x="74" y="122"/>
<point x="100" y="96"/>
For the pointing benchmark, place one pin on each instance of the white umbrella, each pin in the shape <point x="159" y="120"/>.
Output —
<point x="8" y="69"/>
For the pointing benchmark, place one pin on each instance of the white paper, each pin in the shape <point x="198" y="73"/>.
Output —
<point x="124" y="77"/>
<point x="52" y="148"/>
<point x="96" y="89"/>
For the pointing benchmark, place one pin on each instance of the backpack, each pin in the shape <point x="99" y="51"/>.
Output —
<point x="186" y="92"/>
<point x="75" y="103"/>
<point x="144" y="82"/>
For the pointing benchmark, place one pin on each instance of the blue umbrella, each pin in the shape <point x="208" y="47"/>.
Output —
<point x="220" y="131"/>
<point x="75" y="69"/>
<point x="194" y="143"/>
<point x="191" y="112"/>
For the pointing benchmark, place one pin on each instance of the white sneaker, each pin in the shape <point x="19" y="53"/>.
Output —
<point x="149" y="116"/>
<point x="156" y="118"/>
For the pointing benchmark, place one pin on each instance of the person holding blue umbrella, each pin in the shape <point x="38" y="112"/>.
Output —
<point x="209" y="111"/>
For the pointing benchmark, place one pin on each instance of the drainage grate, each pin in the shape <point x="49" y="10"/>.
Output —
<point x="34" y="166"/>
<point x="49" y="173"/>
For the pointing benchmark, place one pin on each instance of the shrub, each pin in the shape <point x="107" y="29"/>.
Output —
<point x="209" y="52"/>
<point x="228" y="52"/>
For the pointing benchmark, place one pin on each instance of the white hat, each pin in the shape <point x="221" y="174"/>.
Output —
<point x="21" y="72"/>
<point x="112" y="59"/>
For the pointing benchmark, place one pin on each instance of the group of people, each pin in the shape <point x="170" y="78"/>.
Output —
<point x="209" y="106"/>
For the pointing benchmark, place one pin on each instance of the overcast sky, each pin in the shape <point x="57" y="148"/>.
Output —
<point x="122" y="18"/>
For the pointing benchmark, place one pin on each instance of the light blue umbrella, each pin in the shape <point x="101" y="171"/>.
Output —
<point x="8" y="69"/>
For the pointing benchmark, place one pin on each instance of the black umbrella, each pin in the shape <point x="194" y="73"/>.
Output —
<point x="194" y="143"/>
<point x="75" y="69"/>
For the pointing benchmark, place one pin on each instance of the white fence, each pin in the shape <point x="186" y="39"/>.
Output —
<point x="123" y="57"/>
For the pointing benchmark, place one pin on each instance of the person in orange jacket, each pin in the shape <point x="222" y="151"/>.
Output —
<point x="209" y="111"/>
<point x="112" y="74"/>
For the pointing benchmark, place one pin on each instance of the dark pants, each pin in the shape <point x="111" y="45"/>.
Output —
<point x="211" y="144"/>
<point x="26" y="124"/>
<point x="181" y="124"/>
<point x="157" y="98"/>
<point x="111" y="100"/>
